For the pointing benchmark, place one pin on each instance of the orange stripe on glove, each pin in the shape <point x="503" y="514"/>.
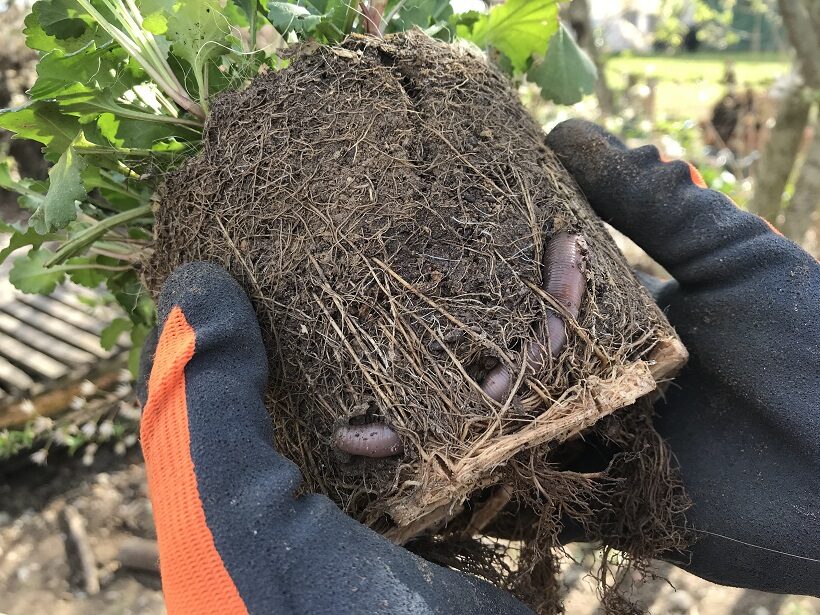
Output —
<point x="698" y="180"/>
<point x="194" y="577"/>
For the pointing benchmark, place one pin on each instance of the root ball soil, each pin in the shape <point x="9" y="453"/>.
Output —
<point x="386" y="203"/>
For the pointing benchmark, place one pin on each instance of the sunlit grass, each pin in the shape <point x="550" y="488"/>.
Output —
<point x="689" y="84"/>
<point x="751" y="68"/>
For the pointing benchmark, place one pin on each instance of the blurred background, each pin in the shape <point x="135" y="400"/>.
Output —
<point x="726" y="84"/>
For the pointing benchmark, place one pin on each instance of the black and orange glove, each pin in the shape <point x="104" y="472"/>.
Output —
<point x="233" y="537"/>
<point x="743" y="418"/>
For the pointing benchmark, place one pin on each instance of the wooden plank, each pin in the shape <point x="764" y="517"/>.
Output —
<point x="30" y="359"/>
<point x="7" y="291"/>
<point x="72" y="293"/>
<point x="76" y="337"/>
<point x="13" y="377"/>
<point x="77" y="318"/>
<point x="52" y="403"/>
<point x="84" y="300"/>
<point x="47" y="344"/>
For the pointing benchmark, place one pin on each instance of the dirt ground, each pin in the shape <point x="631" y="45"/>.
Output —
<point x="39" y="572"/>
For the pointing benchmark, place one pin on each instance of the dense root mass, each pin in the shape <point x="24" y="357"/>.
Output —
<point x="386" y="204"/>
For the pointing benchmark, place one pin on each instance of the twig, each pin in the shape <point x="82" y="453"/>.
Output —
<point x="373" y="12"/>
<point x="488" y="510"/>
<point x="139" y="554"/>
<point x="78" y="539"/>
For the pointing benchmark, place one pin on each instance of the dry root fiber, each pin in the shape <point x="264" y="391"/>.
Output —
<point x="386" y="204"/>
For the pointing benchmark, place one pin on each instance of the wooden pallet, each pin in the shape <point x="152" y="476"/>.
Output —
<point x="48" y="346"/>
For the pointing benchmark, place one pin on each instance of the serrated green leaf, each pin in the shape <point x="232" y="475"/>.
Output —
<point x="20" y="237"/>
<point x="195" y="29"/>
<point x="286" y="17"/>
<point x="566" y="73"/>
<point x="421" y="13"/>
<point x="81" y="270"/>
<point x="65" y="188"/>
<point x="29" y="275"/>
<point x="85" y="71"/>
<point x="112" y="332"/>
<point x="518" y="28"/>
<point x="465" y="22"/>
<point x="41" y="121"/>
<point x="57" y="24"/>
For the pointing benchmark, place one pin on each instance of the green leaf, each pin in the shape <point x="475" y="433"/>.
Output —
<point x="41" y="121"/>
<point x="566" y="73"/>
<point x="29" y="274"/>
<point x="138" y="335"/>
<point x="287" y="18"/>
<point x="136" y="133"/>
<point x="65" y="188"/>
<point x="132" y="297"/>
<point x="193" y="28"/>
<point x="111" y="333"/>
<point x="19" y="239"/>
<point x="86" y="70"/>
<point x="57" y="24"/>
<point x="196" y="30"/>
<point x="518" y="28"/>
<point x="6" y="180"/>
<point x="156" y="23"/>
<point x="81" y="270"/>
<point x="32" y="192"/>
<point x="250" y="9"/>
<point x="421" y="13"/>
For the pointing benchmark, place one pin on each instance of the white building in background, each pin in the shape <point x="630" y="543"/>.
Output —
<point x="628" y="25"/>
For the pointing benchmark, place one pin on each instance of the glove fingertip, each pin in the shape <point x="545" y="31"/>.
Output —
<point x="569" y="138"/>
<point x="200" y="286"/>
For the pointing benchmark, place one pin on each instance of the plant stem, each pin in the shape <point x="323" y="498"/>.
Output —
<point x="129" y="257"/>
<point x="91" y="234"/>
<point x="99" y="267"/>
<point x="152" y="117"/>
<point x="121" y="188"/>
<point x="151" y="61"/>
<point x="253" y="9"/>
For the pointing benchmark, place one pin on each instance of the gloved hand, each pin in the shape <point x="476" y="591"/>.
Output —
<point x="233" y="537"/>
<point x="743" y="418"/>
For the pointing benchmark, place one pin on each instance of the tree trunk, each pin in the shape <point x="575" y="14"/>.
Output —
<point x="778" y="158"/>
<point x="801" y="21"/>
<point x="582" y="24"/>
<point x="803" y="210"/>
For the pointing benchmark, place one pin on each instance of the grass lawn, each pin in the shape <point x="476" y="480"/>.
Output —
<point x="689" y="84"/>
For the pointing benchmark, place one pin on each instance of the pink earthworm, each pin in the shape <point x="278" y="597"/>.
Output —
<point x="563" y="274"/>
<point x="371" y="440"/>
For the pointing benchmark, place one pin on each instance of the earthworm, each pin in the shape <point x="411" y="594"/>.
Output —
<point x="563" y="274"/>
<point x="372" y="440"/>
